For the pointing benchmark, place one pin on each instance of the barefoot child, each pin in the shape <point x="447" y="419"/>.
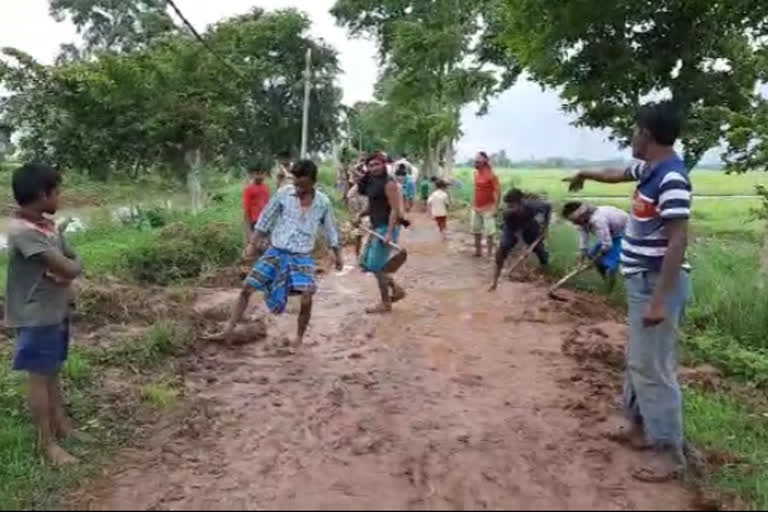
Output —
<point x="529" y="217"/>
<point x="437" y="204"/>
<point x="41" y="267"/>
<point x="293" y="217"/>
<point x="607" y="223"/>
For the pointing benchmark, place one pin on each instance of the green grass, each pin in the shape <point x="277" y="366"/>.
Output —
<point x="159" y="394"/>
<point x="722" y="425"/>
<point x="164" y="339"/>
<point x="549" y="182"/>
<point x="25" y="481"/>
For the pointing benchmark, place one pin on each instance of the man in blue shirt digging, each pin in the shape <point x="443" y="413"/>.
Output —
<point x="658" y="287"/>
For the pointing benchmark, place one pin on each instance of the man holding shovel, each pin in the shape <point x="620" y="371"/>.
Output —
<point x="384" y="211"/>
<point x="607" y="223"/>
<point x="521" y="215"/>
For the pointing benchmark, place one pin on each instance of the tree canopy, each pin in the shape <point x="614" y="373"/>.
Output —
<point x="431" y="68"/>
<point x="706" y="56"/>
<point x="147" y="105"/>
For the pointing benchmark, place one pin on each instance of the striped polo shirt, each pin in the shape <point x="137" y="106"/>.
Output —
<point x="663" y="193"/>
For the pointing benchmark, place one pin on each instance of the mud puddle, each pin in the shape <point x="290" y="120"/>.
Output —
<point x="461" y="399"/>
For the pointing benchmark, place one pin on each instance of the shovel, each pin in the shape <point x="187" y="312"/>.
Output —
<point x="573" y="273"/>
<point x="395" y="262"/>
<point x="527" y="252"/>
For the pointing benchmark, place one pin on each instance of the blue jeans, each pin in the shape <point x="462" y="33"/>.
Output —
<point x="652" y="393"/>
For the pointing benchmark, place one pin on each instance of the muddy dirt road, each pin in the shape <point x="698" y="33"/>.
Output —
<point x="460" y="399"/>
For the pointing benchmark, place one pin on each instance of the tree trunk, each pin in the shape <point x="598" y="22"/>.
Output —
<point x="449" y="158"/>
<point x="193" y="161"/>
<point x="430" y="162"/>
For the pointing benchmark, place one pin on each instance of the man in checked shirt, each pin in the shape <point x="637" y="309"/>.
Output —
<point x="293" y="217"/>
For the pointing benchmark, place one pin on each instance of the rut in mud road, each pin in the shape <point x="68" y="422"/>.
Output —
<point x="461" y="399"/>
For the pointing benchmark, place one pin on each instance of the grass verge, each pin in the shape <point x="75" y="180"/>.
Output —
<point x="736" y="440"/>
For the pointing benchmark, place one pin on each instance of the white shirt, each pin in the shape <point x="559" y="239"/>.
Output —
<point x="606" y="223"/>
<point x="438" y="203"/>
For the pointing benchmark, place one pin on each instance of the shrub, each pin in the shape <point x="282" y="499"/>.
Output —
<point x="183" y="251"/>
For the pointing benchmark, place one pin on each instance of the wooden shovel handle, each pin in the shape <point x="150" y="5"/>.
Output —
<point x="527" y="252"/>
<point x="377" y="235"/>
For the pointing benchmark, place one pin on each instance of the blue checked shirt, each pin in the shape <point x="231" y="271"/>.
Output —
<point x="294" y="230"/>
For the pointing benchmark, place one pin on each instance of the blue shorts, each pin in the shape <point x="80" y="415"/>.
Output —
<point x="610" y="260"/>
<point x="41" y="350"/>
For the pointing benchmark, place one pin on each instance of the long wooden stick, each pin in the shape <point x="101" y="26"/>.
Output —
<point x="573" y="273"/>
<point x="527" y="252"/>
<point x="377" y="235"/>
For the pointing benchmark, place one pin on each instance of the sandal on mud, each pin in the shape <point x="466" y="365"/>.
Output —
<point x="381" y="309"/>
<point x="667" y="465"/>
<point x="398" y="294"/>
<point x="625" y="436"/>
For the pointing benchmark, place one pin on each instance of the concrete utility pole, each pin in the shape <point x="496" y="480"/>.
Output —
<point x="305" y="120"/>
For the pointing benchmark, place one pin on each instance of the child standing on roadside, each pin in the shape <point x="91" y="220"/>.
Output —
<point x="437" y="205"/>
<point x="41" y="268"/>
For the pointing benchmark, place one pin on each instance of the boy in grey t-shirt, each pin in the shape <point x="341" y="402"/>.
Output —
<point x="41" y="268"/>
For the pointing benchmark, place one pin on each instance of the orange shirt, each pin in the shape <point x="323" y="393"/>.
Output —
<point x="255" y="198"/>
<point x="487" y="187"/>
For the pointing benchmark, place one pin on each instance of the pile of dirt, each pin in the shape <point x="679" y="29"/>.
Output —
<point x="706" y="377"/>
<point x="595" y="343"/>
<point x="104" y="303"/>
<point x="230" y="276"/>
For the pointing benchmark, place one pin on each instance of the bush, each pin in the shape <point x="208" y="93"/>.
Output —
<point x="183" y="251"/>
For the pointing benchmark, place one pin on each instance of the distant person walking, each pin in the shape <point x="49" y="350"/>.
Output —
<point x="487" y="196"/>
<point x="658" y="287"/>
<point x="437" y="205"/>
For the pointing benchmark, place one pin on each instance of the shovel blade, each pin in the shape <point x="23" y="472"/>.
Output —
<point x="395" y="262"/>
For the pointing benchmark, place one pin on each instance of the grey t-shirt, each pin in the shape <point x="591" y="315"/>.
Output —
<point x="33" y="296"/>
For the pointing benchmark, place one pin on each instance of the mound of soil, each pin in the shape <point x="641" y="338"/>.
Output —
<point x="103" y="303"/>
<point x="596" y="343"/>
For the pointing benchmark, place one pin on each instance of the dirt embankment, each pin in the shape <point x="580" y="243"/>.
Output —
<point x="459" y="399"/>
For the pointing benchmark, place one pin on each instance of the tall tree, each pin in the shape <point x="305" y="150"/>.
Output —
<point x="172" y="104"/>
<point x="432" y="67"/>
<point x="113" y="25"/>
<point x="606" y="60"/>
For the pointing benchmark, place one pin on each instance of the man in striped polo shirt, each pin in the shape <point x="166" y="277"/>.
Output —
<point x="658" y="287"/>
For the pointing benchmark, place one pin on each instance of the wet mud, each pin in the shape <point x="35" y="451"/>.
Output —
<point x="460" y="399"/>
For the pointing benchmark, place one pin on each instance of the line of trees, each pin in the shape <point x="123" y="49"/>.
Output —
<point x="437" y="57"/>
<point x="141" y="94"/>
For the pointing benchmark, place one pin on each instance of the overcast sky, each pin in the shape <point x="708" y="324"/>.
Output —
<point x="525" y="120"/>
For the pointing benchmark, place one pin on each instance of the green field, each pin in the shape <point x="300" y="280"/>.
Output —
<point x="549" y="182"/>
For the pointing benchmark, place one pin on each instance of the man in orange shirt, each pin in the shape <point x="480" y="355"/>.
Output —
<point x="487" y="195"/>
<point x="255" y="197"/>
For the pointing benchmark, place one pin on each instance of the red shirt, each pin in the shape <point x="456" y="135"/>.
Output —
<point x="486" y="188"/>
<point x="255" y="198"/>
